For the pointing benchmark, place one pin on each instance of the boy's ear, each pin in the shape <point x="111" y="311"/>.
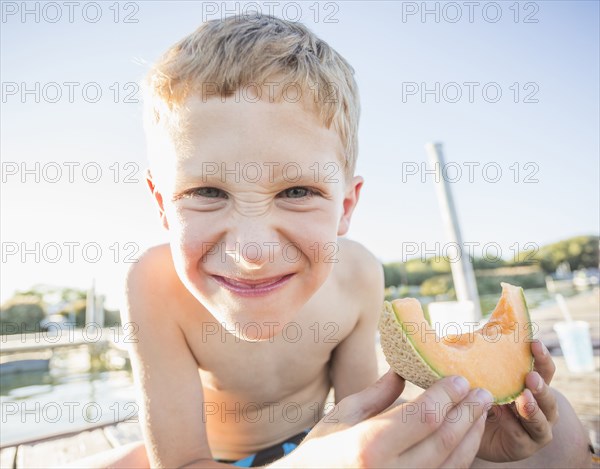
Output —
<point x="350" y="200"/>
<point x="157" y="198"/>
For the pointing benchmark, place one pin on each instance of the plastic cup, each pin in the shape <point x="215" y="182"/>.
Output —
<point x="576" y="345"/>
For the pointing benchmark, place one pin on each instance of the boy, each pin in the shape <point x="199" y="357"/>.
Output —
<point x="257" y="307"/>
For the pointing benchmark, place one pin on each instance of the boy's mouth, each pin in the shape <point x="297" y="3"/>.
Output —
<point x="254" y="287"/>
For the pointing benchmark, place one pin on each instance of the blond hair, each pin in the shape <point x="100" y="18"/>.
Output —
<point x="239" y="51"/>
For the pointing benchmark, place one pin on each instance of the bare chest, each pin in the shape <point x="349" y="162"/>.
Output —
<point x="278" y="367"/>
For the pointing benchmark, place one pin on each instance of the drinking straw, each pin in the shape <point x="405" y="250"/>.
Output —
<point x="562" y="304"/>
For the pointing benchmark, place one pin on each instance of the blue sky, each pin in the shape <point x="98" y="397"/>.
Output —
<point x="554" y="61"/>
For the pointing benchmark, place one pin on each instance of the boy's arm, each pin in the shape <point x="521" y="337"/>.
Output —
<point x="354" y="361"/>
<point x="165" y="371"/>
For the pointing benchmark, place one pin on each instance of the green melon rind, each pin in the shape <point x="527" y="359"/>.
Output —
<point x="400" y="352"/>
<point x="511" y="398"/>
<point x="406" y="361"/>
<point x="529" y="332"/>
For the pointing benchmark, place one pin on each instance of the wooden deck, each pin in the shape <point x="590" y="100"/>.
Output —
<point x="60" y="450"/>
<point x="582" y="390"/>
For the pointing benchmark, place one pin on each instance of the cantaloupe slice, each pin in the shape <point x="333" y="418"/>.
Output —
<point x="495" y="357"/>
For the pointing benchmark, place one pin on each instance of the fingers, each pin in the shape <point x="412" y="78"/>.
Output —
<point x="537" y="408"/>
<point x="543" y="395"/>
<point x="451" y="436"/>
<point x="360" y="406"/>
<point x="381" y="395"/>
<point x="532" y="417"/>
<point x="464" y="455"/>
<point x="543" y="362"/>
<point x="416" y="420"/>
<point x="372" y="400"/>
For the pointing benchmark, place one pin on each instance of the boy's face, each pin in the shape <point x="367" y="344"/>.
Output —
<point x="254" y="198"/>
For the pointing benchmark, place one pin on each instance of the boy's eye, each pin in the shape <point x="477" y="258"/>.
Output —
<point x="209" y="193"/>
<point x="298" y="192"/>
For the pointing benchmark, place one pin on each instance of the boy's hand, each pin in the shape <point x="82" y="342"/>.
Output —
<point x="517" y="431"/>
<point x="442" y="427"/>
<point x="360" y="406"/>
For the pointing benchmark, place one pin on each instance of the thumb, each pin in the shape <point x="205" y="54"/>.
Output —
<point x="379" y="396"/>
<point x="374" y="399"/>
<point x="360" y="406"/>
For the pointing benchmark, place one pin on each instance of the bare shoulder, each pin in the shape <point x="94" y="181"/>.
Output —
<point x="360" y="276"/>
<point x="151" y="281"/>
<point x="156" y="256"/>
<point x="357" y="265"/>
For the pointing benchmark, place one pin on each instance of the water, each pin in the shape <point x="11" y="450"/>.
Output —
<point x="68" y="397"/>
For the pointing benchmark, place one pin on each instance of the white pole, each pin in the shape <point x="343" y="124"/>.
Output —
<point x="462" y="270"/>
<point x="99" y="310"/>
<point x="90" y="304"/>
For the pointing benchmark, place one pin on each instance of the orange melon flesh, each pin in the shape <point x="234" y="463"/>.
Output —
<point x="496" y="357"/>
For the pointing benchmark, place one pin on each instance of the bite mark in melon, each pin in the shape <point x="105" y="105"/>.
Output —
<point x="496" y="357"/>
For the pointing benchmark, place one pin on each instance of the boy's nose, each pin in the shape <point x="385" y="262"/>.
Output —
<point x="253" y="245"/>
